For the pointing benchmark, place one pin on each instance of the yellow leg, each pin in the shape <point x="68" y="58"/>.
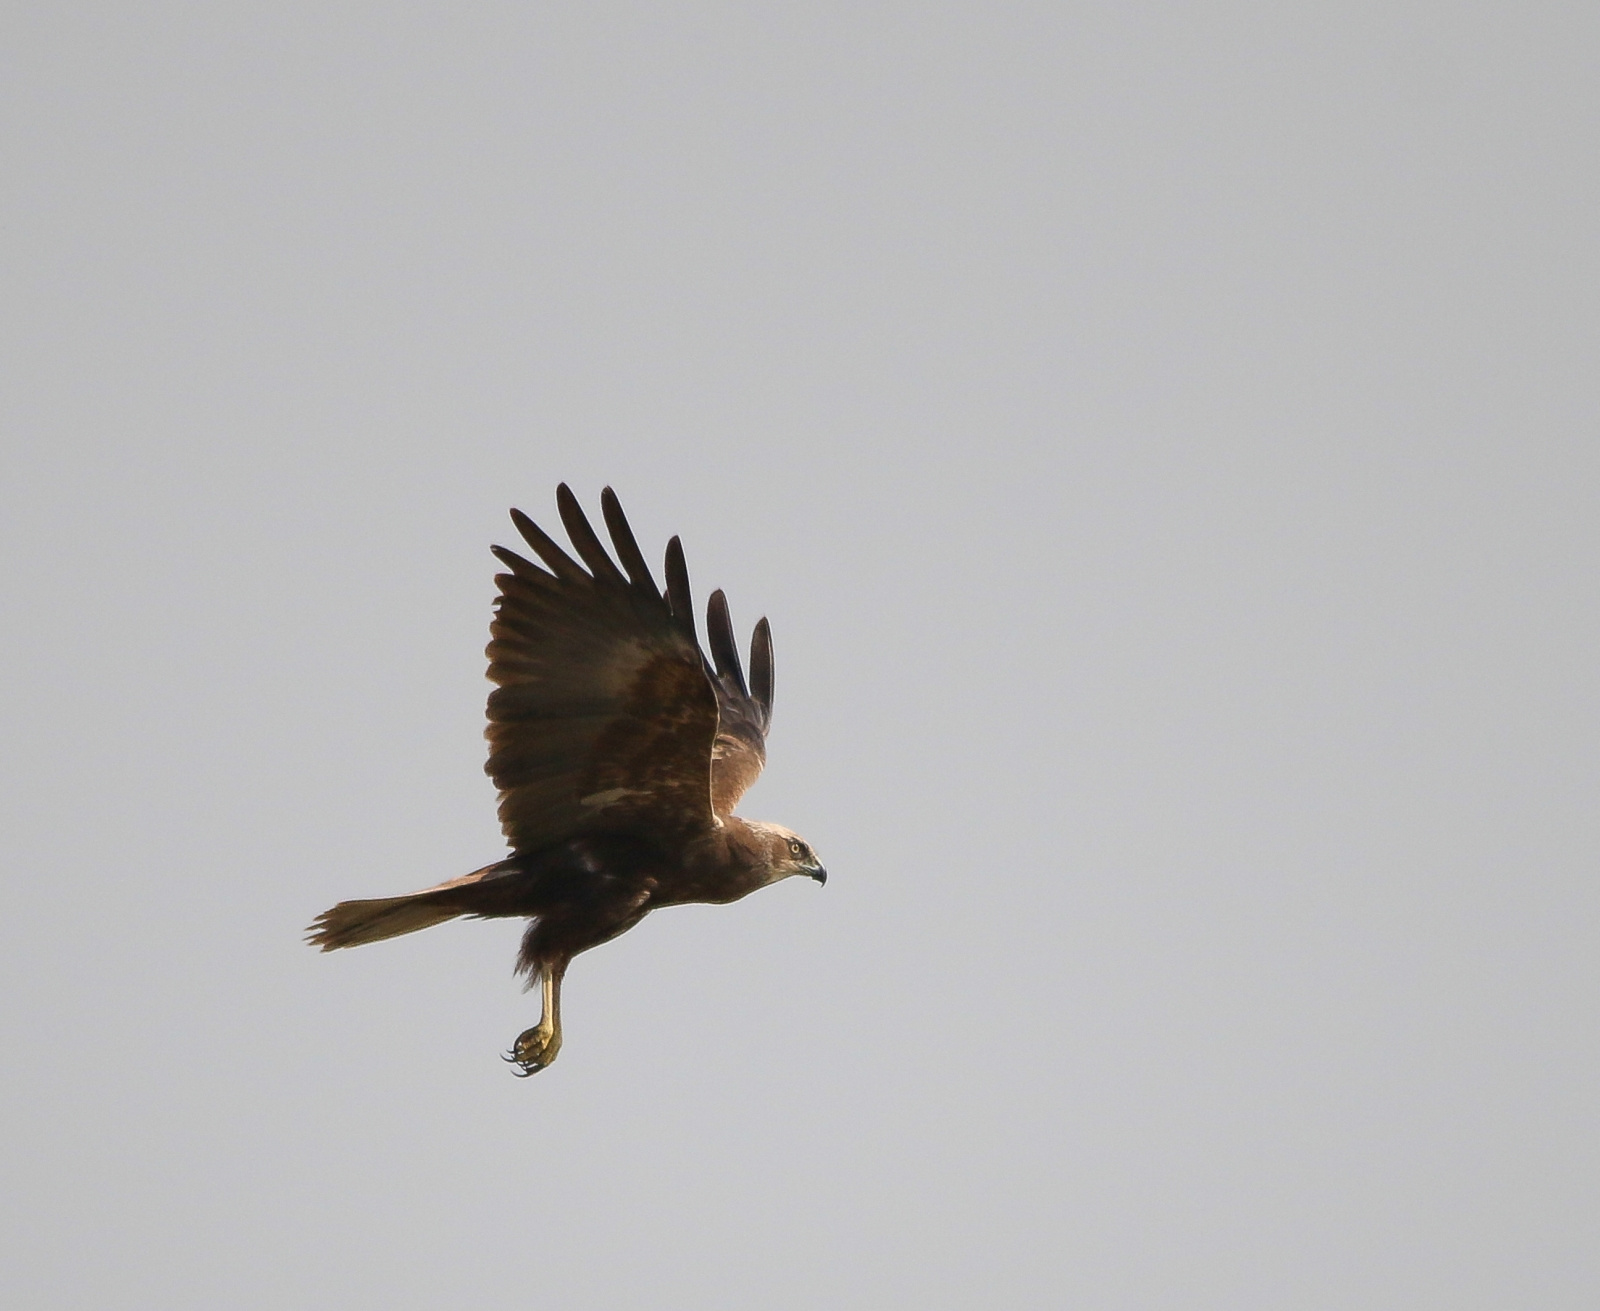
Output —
<point x="535" y="1048"/>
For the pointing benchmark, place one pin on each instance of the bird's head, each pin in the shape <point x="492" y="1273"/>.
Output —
<point x="788" y="853"/>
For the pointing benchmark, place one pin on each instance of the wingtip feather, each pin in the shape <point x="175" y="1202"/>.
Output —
<point x="627" y="545"/>
<point x="761" y="669"/>
<point x="724" y="649"/>
<point x="679" y="598"/>
<point x="585" y="539"/>
<point x="559" y="562"/>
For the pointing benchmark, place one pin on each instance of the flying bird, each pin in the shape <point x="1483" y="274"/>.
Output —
<point x="620" y="751"/>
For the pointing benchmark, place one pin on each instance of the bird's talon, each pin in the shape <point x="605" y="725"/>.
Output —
<point x="533" y="1050"/>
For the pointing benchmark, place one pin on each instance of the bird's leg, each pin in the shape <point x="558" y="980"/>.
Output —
<point x="535" y="1048"/>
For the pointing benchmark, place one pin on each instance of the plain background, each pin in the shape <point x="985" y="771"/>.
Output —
<point x="1164" y="439"/>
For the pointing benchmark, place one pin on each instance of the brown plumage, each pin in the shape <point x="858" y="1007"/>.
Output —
<point x="620" y="752"/>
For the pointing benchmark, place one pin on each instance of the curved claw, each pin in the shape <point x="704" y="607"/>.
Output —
<point x="533" y="1051"/>
<point x="524" y="1068"/>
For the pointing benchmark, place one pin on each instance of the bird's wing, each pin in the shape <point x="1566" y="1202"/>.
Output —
<point x="605" y="713"/>
<point x="745" y="709"/>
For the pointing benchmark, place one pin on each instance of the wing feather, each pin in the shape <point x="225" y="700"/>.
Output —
<point x="678" y="595"/>
<point x="605" y="713"/>
<point x="761" y="671"/>
<point x="740" y="752"/>
<point x="562" y="565"/>
<point x="724" y="650"/>
<point x="583" y="537"/>
<point x="627" y="548"/>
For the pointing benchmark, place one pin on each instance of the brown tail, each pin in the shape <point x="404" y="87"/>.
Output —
<point x="352" y="923"/>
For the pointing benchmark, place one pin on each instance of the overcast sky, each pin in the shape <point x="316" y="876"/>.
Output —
<point x="1164" y="439"/>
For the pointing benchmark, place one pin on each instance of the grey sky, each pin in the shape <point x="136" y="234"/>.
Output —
<point x="1164" y="440"/>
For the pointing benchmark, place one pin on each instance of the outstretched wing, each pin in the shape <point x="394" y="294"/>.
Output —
<point x="605" y="713"/>
<point x="745" y="710"/>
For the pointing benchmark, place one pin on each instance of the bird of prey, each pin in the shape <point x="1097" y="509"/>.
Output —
<point x="620" y="752"/>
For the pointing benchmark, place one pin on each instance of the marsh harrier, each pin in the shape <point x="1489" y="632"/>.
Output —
<point x="620" y="751"/>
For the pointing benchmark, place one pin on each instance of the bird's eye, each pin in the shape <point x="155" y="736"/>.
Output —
<point x="794" y="848"/>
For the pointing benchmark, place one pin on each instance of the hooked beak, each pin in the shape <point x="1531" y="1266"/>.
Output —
<point x="820" y="874"/>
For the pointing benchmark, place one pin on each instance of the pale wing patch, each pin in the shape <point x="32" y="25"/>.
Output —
<point x="610" y="797"/>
